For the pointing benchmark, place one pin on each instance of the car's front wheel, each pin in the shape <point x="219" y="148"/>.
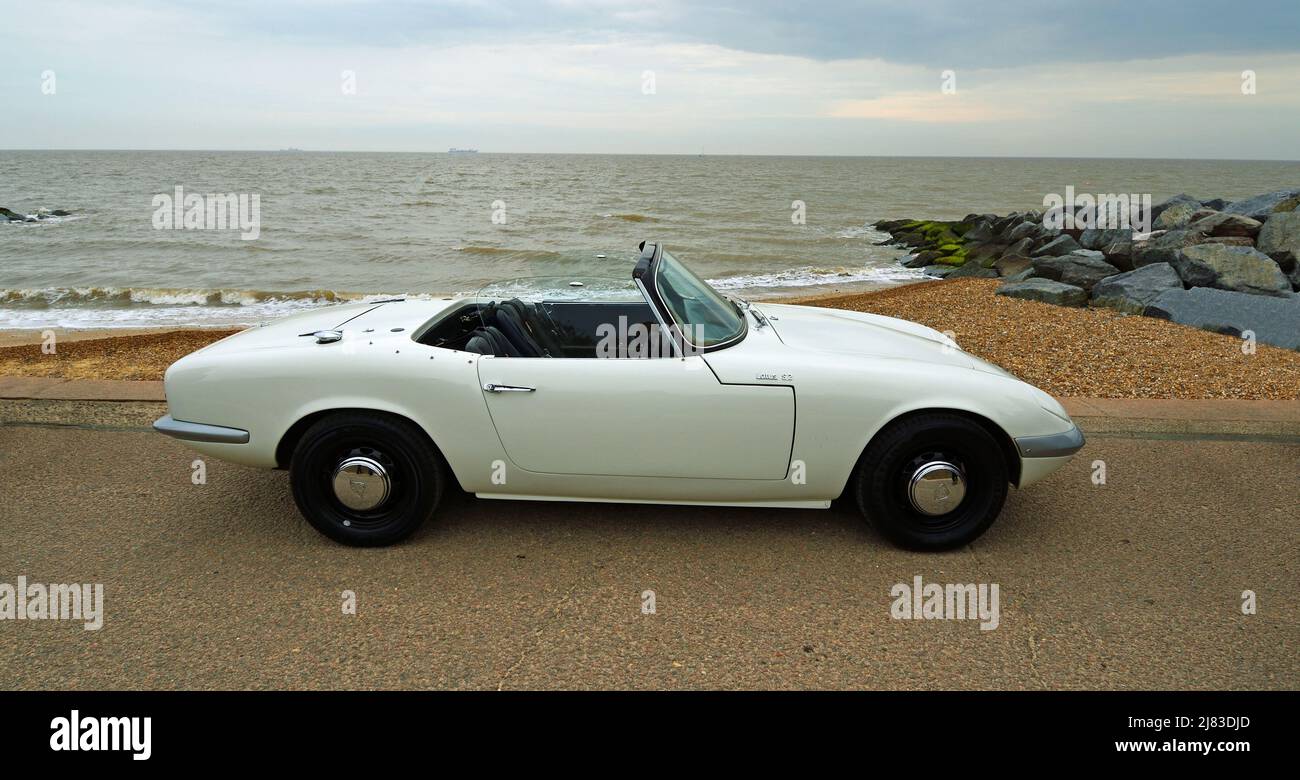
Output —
<point x="365" y="479"/>
<point x="932" y="482"/>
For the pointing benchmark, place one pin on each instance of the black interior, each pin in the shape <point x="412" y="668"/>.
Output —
<point x="516" y="328"/>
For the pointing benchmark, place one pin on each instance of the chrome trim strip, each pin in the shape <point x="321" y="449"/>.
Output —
<point x="188" y="431"/>
<point x="1054" y="445"/>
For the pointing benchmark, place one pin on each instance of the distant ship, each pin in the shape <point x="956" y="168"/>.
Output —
<point x="454" y="150"/>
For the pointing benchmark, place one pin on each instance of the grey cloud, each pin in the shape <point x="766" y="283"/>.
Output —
<point x="947" y="33"/>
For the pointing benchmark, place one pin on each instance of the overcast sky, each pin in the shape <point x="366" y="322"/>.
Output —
<point x="1043" y="78"/>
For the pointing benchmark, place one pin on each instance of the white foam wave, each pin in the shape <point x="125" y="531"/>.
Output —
<point x="144" y="308"/>
<point x="863" y="231"/>
<point x="812" y="277"/>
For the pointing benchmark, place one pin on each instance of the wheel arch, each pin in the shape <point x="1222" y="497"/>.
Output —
<point x="289" y="441"/>
<point x="1010" y="455"/>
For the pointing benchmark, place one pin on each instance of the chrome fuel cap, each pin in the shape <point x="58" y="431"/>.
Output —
<point x="361" y="483"/>
<point x="936" y="488"/>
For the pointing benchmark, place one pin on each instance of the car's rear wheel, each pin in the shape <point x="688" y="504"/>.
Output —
<point x="932" y="482"/>
<point x="365" y="479"/>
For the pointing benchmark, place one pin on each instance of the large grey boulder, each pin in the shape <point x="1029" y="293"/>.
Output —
<point x="1176" y="216"/>
<point x="1024" y="230"/>
<point x="1176" y="200"/>
<point x="12" y="216"/>
<point x="1044" y="291"/>
<point x="1115" y="244"/>
<point x="1237" y="268"/>
<point x="1165" y="247"/>
<point x="1097" y="238"/>
<point x="1220" y="224"/>
<point x="1024" y="246"/>
<point x="984" y="254"/>
<point x="1002" y="224"/>
<point x="1010" y="265"/>
<point x="980" y="231"/>
<point x="922" y="259"/>
<point x="973" y="269"/>
<point x="1132" y="291"/>
<point x="1061" y="245"/>
<point x="1274" y="321"/>
<point x="1280" y="239"/>
<point x="1081" y="268"/>
<point x="939" y="271"/>
<point x="1119" y="254"/>
<point x="1262" y="207"/>
<point x="1230" y="241"/>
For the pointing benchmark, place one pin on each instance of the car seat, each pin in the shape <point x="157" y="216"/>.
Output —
<point x="489" y="340"/>
<point x="512" y="325"/>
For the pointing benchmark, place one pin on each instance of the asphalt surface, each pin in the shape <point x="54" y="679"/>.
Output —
<point x="1133" y="584"/>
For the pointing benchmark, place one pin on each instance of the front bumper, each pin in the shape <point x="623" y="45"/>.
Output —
<point x="188" y="431"/>
<point x="1055" y="445"/>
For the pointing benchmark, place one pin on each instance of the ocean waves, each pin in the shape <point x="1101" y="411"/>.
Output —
<point x="126" y="307"/>
<point x="108" y="297"/>
<point x="798" y="278"/>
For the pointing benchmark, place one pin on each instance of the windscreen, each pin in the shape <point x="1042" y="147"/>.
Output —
<point x="705" y="318"/>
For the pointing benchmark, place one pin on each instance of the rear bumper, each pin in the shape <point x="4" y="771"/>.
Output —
<point x="188" y="431"/>
<point x="1055" y="445"/>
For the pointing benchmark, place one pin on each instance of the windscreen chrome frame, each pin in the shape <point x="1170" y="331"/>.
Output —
<point x="664" y="314"/>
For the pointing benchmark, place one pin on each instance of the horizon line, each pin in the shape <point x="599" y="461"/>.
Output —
<point x="291" y="150"/>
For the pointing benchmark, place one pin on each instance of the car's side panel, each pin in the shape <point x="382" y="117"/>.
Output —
<point x="658" y="417"/>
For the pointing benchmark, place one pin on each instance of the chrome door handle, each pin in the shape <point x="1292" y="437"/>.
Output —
<point x="491" y="388"/>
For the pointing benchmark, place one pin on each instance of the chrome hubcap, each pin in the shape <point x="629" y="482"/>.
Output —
<point x="936" y="488"/>
<point x="361" y="484"/>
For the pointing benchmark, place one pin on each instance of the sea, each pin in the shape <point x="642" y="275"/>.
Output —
<point x="341" y="226"/>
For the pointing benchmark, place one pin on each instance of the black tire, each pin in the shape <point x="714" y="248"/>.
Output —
<point x="414" y="467"/>
<point x="894" y="454"/>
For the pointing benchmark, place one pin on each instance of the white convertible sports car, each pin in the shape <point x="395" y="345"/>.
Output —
<point x="656" y="389"/>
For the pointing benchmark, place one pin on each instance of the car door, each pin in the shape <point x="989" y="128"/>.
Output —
<point x="655" y="417"/>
